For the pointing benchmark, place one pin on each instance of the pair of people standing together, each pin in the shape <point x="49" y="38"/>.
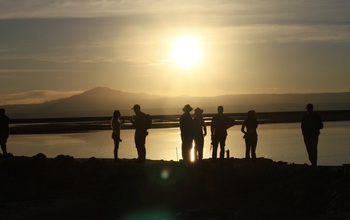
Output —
<point x="195" y="129"/>
<point x="142" y="122"/>
<point x="192" y="129"/>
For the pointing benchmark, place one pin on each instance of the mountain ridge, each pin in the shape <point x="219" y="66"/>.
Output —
<point x="102" y="101"/>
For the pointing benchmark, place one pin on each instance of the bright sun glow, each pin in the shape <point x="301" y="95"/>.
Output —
<point x="186" y="52"/>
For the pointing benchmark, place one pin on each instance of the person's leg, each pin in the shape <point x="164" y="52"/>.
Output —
<point x="196" y="148"/>
<point x="215" y="148"/>
<point x="313" y="150"/>
<point x="199" y="145"/>
<point x="143" y="147"/>
<point x="308" y="145"/>
<point x="186" y="148"/>
<point x="200" y="150"/>
<point x="3" y="142"/>
<point x="222" y="147"/>
<point x="183" y="146"/>
<point x="116" y="147"/>
<point x="253" y="148"/>
<point x="140" y="141"/>
<point x="189" y="148"/>
<point x="247" y="149"/>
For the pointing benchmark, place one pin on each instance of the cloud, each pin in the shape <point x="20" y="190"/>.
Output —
<point x="34" y="96"/>
<point x="237" y="11"/>
<point x="268" y="33"/>
<point x="85" y="38"/>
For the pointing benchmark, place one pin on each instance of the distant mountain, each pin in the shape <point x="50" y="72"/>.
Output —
<point x="103" y="101"/>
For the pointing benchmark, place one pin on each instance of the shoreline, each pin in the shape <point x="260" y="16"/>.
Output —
<point x="64" y="187"/>
<point x="87" y="124"/>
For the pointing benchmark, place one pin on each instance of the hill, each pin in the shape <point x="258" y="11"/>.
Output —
<point x="103" y="101"/>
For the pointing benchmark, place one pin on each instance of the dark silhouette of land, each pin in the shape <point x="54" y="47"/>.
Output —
<point x="102" y="102"/>
<point x="66" y="188"/>
<point x="86" y="124"/>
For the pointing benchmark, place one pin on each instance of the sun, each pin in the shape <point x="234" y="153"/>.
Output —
<point x="186" y="52"/>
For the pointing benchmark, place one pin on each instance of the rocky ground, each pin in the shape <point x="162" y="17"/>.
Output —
<point x="67" y="188"/>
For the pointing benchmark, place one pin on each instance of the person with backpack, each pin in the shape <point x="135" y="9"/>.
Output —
<point x="141" y="122"/>
<point x="219" y="125"/>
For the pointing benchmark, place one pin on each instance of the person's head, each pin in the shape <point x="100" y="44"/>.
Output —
<point x="220" y="109"/>
<point x="198" y="111"/>
<point x="309" y="107"/>
<point x="137" y="108"/>
<point x="2" y="111"/>
<point x="187" y="108"/>
<point x="116" y="114"/>
<point x="251" y="114"/>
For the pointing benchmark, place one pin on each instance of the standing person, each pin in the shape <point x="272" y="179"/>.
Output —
<point x="186" y="128"/>
<point x="219" y="125"/>
<point x="249" y="127"/>
<point x="200" y="131"/>
<point x="116" y="123"/>
<point x="310" y="127"/>
<point x="4" y="130"/>
<point x="141" y="122"/>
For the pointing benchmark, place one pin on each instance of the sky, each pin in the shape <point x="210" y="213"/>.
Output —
<point x="56" y="48"/>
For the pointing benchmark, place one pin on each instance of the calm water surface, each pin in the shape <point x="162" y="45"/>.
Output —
<point x="279" y="142"/>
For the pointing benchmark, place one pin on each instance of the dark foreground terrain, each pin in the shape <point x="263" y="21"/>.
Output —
<point x="67" y="188"/>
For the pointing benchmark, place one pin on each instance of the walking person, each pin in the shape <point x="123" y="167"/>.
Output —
<point x="219" y="125"/>
<point x="186" y="129"/>
<point x="310" y="127"/>
<point x="141" y="122"/>
<point x="200" y="131"/>
<point x="116" y="124"/>
<point x="4" y="130"/>
<point x="249" y="127"/>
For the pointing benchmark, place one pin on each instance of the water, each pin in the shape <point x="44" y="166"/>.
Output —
<point x="279" y="142"/>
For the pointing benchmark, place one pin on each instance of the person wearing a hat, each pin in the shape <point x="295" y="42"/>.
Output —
<point x="200" y="131"/>
<point x="186" y="129"/>
<point x="140" y="122"/>
<point x="310" y="127"/>
<point x="219" y="125"/>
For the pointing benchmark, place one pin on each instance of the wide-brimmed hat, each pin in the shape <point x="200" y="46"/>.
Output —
<point x="198" y="111"/>
<point x="187" y="108"/>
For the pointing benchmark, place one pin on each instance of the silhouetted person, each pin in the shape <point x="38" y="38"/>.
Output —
<point x="186" y="128"/>
<point x="141" y="122"/>
<point x="4" y="130"/>
<point x="200" y="131"/>
<point x="310" y="127"/>
<point x="219" y="125"/>
<point x="116" y="123"/>
<point x="249" y="127"/>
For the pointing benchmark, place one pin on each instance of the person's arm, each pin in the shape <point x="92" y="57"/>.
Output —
<point x="320" y="122"/>
<point x="243" y="128"/>
<point x="204" y="129"/>
<point x="212" y="129"/>
<point x="132" y="120"/>
<point x="230" y="123"/>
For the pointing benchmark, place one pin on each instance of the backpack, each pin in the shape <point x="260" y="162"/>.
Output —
<point x="148" y="121"/>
